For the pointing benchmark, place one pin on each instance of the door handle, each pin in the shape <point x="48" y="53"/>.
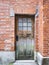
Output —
<point x="16" y="37"/>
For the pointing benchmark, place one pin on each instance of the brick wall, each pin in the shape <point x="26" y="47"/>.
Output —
<point x="36" y="32"/>
<point x="46" y="27"/>
<point x="7" y="23"/>
<point x="43" y="28"/>
<point x="40" y="27"/>
<point x="6" y="26"/>
<point x="7" y="20"/>
<point x="24" y="6"/>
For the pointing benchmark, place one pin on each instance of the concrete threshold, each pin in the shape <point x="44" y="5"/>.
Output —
<point x="25" y="62"/>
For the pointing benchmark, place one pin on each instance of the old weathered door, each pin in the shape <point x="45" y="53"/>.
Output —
<point x="25" y="38"/>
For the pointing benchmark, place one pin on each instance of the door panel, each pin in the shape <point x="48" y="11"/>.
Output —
<point x="25" y="49"/>
<point x="25" y="43"/>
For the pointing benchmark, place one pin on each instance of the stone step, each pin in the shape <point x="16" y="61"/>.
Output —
<point x="25" y="62"/>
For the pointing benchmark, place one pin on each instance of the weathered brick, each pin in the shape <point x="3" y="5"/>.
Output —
<point x="7" y="22"/>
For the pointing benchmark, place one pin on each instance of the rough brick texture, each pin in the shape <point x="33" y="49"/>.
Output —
<point x="46" y="27"/>
<point x="6" y="26"/>
<point x="7" y="22"/>
<point x="36" y="32"/>
<point x="8" y="8"/>
<point x="40" y="26"/>
<point x="24" y="6"/>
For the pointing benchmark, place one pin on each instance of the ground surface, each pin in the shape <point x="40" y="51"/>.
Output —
<point x="25" y="62"/>
<point x="10" y="63"/>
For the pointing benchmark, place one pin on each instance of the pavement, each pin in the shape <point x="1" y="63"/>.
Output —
<point x="25" y="62"/>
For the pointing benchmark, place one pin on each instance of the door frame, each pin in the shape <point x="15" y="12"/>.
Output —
<point x="24" y="15"/>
